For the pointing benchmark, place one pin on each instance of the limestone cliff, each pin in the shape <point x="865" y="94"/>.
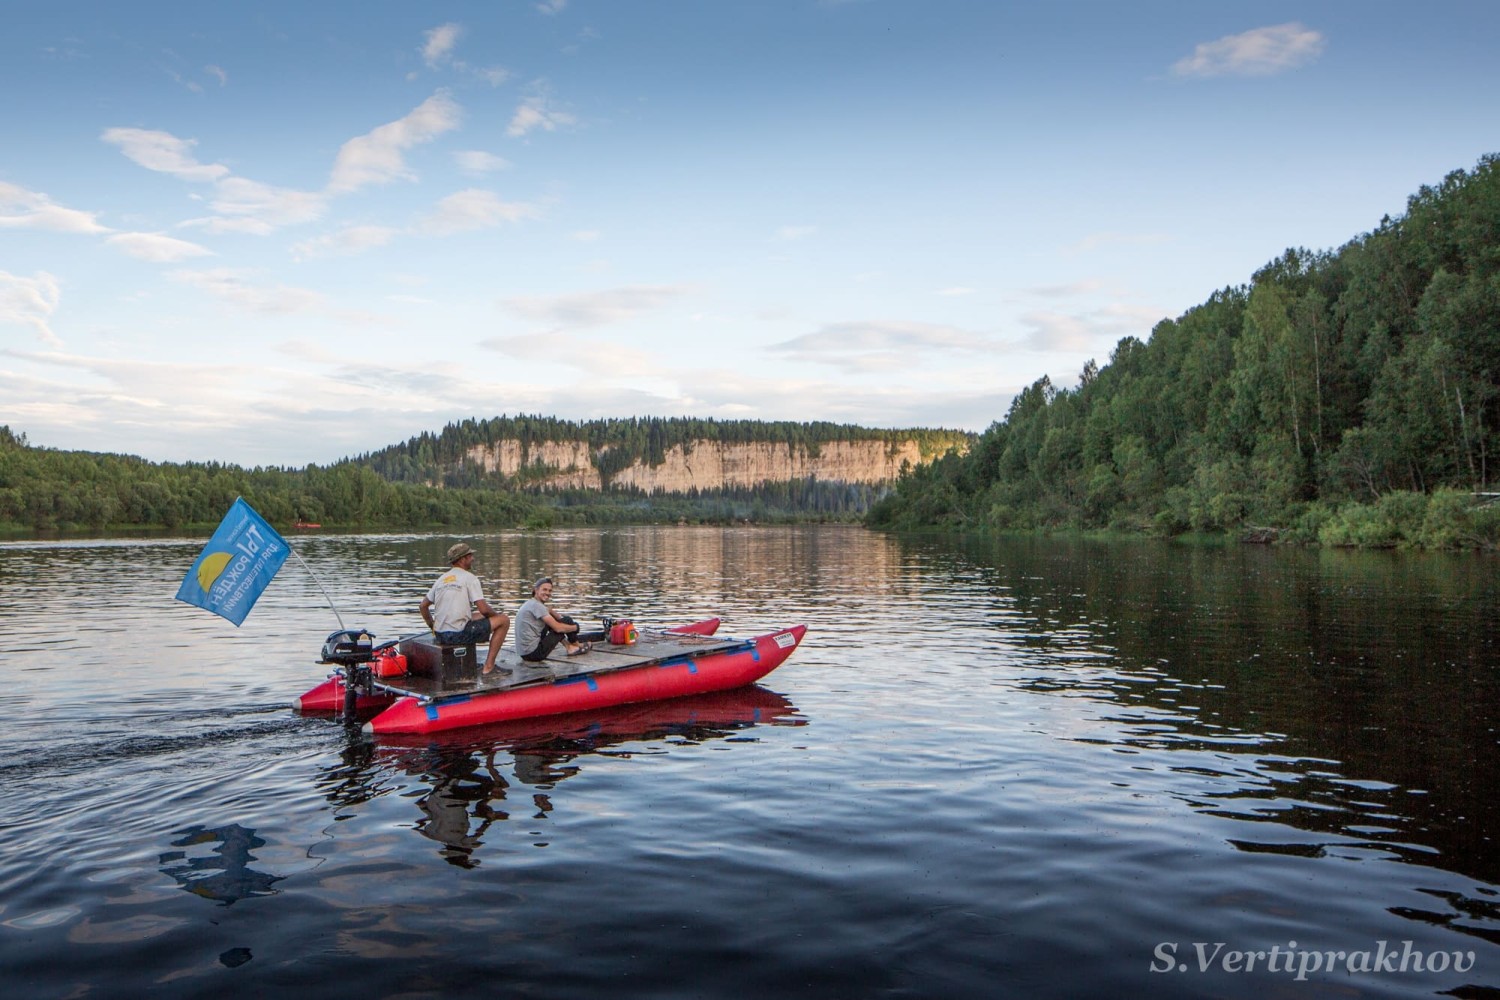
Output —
<point x="701" y="465"/>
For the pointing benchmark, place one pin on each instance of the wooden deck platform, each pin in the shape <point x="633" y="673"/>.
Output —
<point x="651" y="647"/>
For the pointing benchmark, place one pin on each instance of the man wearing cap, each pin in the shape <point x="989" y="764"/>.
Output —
<point x="538" y="630"/>
<point x="456" y="611"/>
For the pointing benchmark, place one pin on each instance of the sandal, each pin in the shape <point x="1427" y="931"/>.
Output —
<point x="580" y="649"/>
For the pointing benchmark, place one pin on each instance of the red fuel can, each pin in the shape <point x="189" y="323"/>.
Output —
<point x="388" y="664"/>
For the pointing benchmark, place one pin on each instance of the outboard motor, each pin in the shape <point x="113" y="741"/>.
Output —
<point x="350" y="646"/>
<point x="352" y="649"/>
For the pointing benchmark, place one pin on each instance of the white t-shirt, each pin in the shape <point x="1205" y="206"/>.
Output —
<point x="453" y="597"/>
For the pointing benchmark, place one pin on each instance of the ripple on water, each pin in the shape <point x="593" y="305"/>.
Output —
<point x="993" y="766"/>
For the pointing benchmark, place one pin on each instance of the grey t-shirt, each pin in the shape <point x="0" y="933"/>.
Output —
<point x="529" y="625"/>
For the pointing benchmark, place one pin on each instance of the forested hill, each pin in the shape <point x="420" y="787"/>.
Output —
<point x="436" y="479"/>
<point x="546" y="451"/>
<point x="1348" y="396"/>
<point x="44" y="490"/>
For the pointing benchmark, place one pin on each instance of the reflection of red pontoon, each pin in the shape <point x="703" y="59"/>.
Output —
<point x="686" y="661"/>
<point x="720" y="711"/>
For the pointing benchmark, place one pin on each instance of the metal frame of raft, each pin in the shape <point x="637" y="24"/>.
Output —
<point x="662" y="664"/>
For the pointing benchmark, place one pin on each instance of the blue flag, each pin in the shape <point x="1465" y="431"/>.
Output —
<point x="236" y="565"/>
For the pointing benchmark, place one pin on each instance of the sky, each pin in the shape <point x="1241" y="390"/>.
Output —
<point x="289" y="233"/>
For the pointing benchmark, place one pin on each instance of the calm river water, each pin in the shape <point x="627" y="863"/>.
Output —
<point x="998" y="768"/>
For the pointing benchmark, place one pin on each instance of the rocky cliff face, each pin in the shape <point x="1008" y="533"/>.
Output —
<point x="565" y="465"/>
<point x="703" y="465"/>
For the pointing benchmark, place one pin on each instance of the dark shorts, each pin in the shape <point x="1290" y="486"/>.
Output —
<point x="478" y="630"/>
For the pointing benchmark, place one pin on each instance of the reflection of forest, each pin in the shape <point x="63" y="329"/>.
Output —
<point x="468" y="791"/>
<point x="670" y="575"/>
<point x="1374" y="670"/>
<point x="754" y="578"/>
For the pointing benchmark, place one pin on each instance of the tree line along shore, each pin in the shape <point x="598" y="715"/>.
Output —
<point x="427" y="482"/>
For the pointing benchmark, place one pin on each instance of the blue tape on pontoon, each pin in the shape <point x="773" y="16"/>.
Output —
<point x="431" y="708"/>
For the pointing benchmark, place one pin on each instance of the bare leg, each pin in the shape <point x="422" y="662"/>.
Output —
<point x="499" y="629"/>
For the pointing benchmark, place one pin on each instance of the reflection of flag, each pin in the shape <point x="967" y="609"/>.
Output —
<point x="236" y="565"/>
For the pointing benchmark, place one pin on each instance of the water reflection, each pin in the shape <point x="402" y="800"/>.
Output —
<point x="462" y="804"/>
<point x="467" y="791"/>
<point x="1335" y="705"/>
<point x="224" y="873"/>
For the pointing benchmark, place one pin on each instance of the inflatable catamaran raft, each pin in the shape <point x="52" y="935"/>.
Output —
<point x="420" y="686"/>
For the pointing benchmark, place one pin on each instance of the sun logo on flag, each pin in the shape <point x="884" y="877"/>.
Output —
<point x="211" y="567"/>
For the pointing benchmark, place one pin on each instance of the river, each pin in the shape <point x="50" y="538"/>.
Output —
<point x="1033" y="767"/>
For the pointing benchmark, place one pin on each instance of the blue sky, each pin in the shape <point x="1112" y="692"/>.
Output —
<point x="284" y="233"/>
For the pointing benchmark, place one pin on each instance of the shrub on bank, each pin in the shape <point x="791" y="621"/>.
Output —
<point x="1445" y="519"/>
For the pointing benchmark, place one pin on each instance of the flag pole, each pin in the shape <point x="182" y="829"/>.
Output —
<point x="319" y="583"/>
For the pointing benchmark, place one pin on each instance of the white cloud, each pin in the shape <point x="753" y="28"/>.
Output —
<point x="580" y="310"/>
<point x="551" y="6"/>
<point x="956" y="291"/>
<point x="1088" y="331"/>
<point x="22" y="209"/>
<point x="375" y="158"/>
<point x="157" y="247"/>
<point x="217" y="72"/>
<point x="597" y="357"/>
<point x="970" y="401"/>
<point x="1261" y="52"/>
<point x="237" y="287"/>
<point x="795" y="232"/>
<point x="30" y="302"/>
<point x="437" y="53"/>
<point x="259" y="208"/>
<point x="246" y="206"/>
<point x="1072" y="289"/>
<point x="440" y="42"/>
<point x="164" y="153"/>
<point x="172" y="410"/>
<point x="536" y="112"/>
<point x="477" y="161"/>
<point x="344" y="242"/>
<point x="881" y="345"/>
<point x="587" y="235"/>
<point x="184" y="82"/>
<point x="473" y="209"/>
<point x="1097" y="241"/>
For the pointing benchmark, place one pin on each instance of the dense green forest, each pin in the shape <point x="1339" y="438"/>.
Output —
<point x="617" y="444"/>
<point x="43" y="489"/>
<point x="1347" y="397"/>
